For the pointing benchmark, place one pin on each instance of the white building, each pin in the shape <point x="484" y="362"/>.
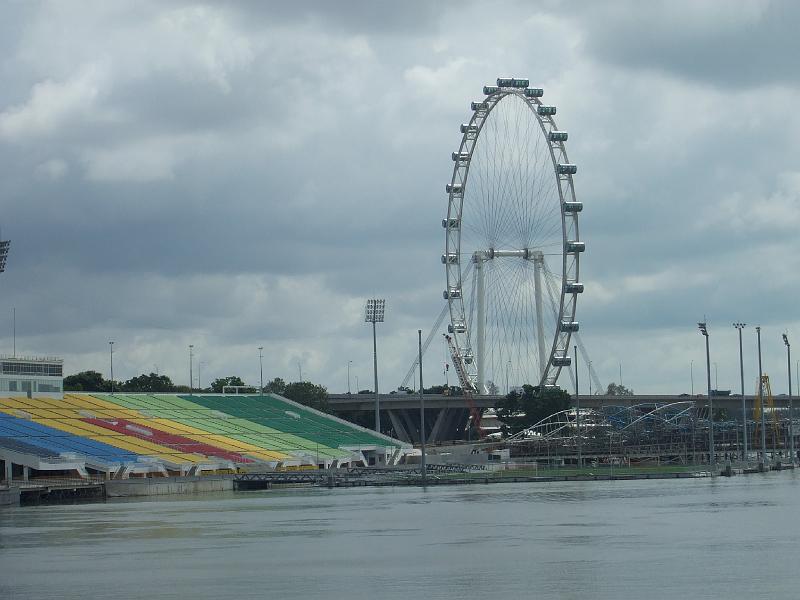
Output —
<point x="29" y="376"/>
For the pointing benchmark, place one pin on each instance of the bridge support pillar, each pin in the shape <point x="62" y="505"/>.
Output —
<point x="398" y="426"/>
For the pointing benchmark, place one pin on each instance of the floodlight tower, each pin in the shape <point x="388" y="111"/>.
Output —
<point x="374" y="314"/>
<point x="711" y="459"/>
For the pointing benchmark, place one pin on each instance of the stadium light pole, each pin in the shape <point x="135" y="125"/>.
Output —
<point x="761" y="404"/>
<point x="191" y="374"/>
<point x="261" y="368"/>
<point x="374" y="314"/>
<point x="739" y="327"/>
<point x="111" y="354"/>
<point x="711" y="458"/>
<point x="422" y="435"/>
<point x="791" y="401"/>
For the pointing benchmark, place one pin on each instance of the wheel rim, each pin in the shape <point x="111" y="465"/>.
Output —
<point x="512" y="212"/>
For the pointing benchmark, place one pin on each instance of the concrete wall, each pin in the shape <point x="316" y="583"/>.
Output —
<point x="168" y="485"/>
<point x="9" y="497"/>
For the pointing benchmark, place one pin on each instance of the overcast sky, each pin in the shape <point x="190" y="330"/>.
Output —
<point x="243" y="174"/>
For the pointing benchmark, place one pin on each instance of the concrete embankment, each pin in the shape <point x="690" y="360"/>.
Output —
<point x="168" y="485"/>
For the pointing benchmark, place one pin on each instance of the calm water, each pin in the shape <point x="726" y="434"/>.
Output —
<point x="734" y="538"/>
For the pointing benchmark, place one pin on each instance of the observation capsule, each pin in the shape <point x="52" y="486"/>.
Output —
<point x="451" y="293"/>
<point x="451" y="223"/>
<point x="456" y="328"/>
<point x="465" y="128"/>
<point x="558" y="136"/>
<point x="512" y="82"/>
<point x="573" y="207"/>
<point x="546" y="110"/>
<point x="534" y="92"/>
<point x="575" y="246"/>
<point x="468" y="358"/>
<point x="479" y="105"/>
<point x="566" y="168"/>
<point x="453" y="188"/>
<point x="460" y="156"/>
<point x="452" y="259"/>
<point x="562" y="361"/>
<point x="573" y="287"/>
<point x="489" y="89"/>
<point x="569" y="326"/>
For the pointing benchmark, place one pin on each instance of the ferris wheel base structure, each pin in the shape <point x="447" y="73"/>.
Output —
<point x="512" y="244"/>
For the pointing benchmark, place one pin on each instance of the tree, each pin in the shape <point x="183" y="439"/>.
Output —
<point x="221" y="382"/>
<point x="617" y="389"/>
<point x="149" y="383"/>
<point x="307" y="393"/>
<point x="276" y="386"/>
<point x="521" y="409"/>
<point x="86" y="381"/>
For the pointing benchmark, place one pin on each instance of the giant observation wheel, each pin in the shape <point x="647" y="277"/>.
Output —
<point x="512" y="248"/>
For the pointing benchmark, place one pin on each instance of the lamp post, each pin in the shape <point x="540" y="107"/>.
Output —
<point x="374" y="314"/>
<point x="716" y="377"/>
<point x="200" y="366"/>
<point x="111" y="352"/>
<point x="691" y="374"/>
<point x="191" y="375"/>
<point x="791" y="401"/>
<point x="261" y="369"/>
<point x="422" y="435"/>
<point x="349" y="362"/>
<point x="761" y="404"/>
<point x="578" y="410"/>
<point x="711" y="458"/>
<point x="590" y="378"/>
<point x="739" y="327"/>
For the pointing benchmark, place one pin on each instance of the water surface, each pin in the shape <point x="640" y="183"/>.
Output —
<point x="698" y="538"/>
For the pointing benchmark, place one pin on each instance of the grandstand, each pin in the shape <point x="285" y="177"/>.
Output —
<point x="149" y="435"/>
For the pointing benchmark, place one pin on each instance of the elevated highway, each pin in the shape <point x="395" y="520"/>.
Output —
<point x="447" y="416"/>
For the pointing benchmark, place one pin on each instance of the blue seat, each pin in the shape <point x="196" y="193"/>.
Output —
<point x="55" y="441"/>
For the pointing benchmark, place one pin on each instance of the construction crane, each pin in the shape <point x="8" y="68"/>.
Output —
<point x="434" y="330"/>
<point x="467" y="385"/>
<point x="769" y="403"/>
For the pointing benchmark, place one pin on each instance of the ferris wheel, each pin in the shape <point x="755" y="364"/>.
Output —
<point x="512" y="248"/>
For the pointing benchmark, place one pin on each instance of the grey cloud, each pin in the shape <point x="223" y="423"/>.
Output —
<point x="259" y="199"/>
<point x="732" y="45"/>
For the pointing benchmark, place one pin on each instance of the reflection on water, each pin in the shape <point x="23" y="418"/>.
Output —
<point x="685" y="538"/>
